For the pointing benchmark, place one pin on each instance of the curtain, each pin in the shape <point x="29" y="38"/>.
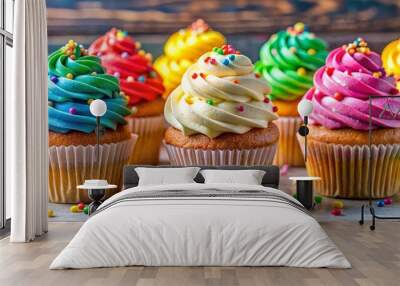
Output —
<point x="26" y="123"/>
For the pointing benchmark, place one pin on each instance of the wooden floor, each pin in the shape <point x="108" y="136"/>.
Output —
<point x="375" y="257"/>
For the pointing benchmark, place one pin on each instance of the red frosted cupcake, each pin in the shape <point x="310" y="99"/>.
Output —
<point x="122" y="57"/>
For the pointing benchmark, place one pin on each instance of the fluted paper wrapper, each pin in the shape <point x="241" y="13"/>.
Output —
<point x="151" y="131"/>
<point x="70" y="166"/>
<point x="289" y="151"/>
<point x="344" y="169"/>
<point x="180" y="156"/>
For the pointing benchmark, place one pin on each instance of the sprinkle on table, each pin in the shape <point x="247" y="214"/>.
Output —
<point x="257" y="75"/>
<point x="210" y="102"/>
<point x="266" y="100"/>
<point x="236" y="81"/>
<point x="240" y="108"/>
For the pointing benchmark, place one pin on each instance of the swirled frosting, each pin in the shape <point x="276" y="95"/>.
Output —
<point x="391" y="60"/>
<point x="220" y="93"/>
<point x="122" y="57"/>
<point x="288" y="61"/>
<point x="342" y="88"/>
<point x="182" y="49"/>
<point x="75" y="79"/>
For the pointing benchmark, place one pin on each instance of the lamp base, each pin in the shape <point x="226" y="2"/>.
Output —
<point x="96" y="195"/>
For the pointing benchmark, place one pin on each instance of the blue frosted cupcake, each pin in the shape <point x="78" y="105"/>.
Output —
<point x="75" y="80"/>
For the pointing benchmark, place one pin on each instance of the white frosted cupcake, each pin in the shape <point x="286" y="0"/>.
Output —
<point x="220" y="114"/>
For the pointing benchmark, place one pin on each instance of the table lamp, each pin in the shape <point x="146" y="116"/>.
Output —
<point x="97" y="188"/>
<point x="98" y="108"/>
<point x="305" y="108"/>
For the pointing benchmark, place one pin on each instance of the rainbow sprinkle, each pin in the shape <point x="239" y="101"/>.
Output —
<point x="358" y="46"/>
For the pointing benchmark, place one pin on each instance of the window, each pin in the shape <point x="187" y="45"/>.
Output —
<point x="6" y="43"/>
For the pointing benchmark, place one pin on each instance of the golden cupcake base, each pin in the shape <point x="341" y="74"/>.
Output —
<point x="344" y="169"/>
<point x="288" y="151"/>
<point x="70" y="166"/>
<point x="150" y="131"/>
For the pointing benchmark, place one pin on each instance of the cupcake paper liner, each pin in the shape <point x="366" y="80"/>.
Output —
<point x="180" y="156"/>
<point x="151" y="131"/>
<point x="70" y="166"/>
<point x="344" y="169"/>
<point x="289" y="151"/>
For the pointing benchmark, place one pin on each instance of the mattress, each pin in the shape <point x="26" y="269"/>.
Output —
<point x="201" y="225"/>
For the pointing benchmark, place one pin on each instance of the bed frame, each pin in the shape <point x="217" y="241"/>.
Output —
<point x="270" y="179"/>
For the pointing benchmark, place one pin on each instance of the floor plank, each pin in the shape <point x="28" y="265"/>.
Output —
<point x="375" y="257"/>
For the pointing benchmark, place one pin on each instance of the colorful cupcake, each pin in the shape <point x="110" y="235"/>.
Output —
<point x="220" y="114"/>
<point x="338" y="149"/>
<point x="182" y="49"/>
<point x="122" y="57"/>
<point x="391" y="60"/>
<point x="75" y="79"/>
<point x="288" y="61"/>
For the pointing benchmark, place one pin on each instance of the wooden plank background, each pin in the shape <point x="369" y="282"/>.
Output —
<point x="230" y="17"/>
<point x="246" y="23"/>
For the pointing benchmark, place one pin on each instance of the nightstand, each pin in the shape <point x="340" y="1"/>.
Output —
<point x="304" y="190"/>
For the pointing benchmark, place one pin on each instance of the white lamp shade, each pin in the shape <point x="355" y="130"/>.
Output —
<point x="305" y="107"/>
<point x="98" y="107"/>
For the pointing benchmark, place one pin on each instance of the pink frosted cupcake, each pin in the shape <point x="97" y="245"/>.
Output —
<point x="338" y="139"/>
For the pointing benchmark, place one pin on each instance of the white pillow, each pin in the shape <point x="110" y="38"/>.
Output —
<point x="166" y="176"/>
<point x="248" y="177"/>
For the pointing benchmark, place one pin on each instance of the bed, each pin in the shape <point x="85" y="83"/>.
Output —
<point x="198" y="224"/>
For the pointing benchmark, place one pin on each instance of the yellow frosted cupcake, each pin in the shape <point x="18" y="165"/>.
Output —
<point x="182" y="49"/>
<point x="391" y="60"/>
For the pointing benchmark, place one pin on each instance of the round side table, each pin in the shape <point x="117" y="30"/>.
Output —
<point x="96" y="191"/>
<point x="304" y="190"/>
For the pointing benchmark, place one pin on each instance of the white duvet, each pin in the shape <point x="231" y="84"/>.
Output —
<point x="204" y="231"/>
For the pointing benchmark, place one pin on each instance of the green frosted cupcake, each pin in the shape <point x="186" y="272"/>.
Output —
<point x="288" y="61"/>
